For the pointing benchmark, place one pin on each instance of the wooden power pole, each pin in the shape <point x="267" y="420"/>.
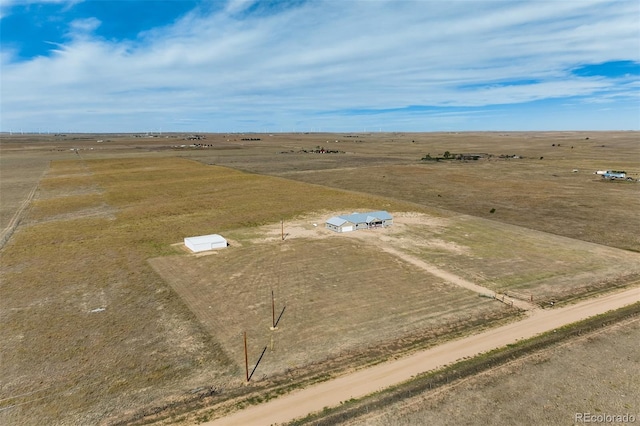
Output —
<point x="246" y="357"/>
<point x="273" y="311"/>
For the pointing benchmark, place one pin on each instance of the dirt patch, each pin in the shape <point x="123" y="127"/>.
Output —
<point x="312" y="225"/>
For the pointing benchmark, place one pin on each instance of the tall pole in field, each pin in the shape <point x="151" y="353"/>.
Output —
<point x="273" y="311"/>
<point x="246" y="358"/>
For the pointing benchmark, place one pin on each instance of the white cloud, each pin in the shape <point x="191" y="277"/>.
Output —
<point x="287" y="67"/>
<point x="236" y="6"/>
<point x="85" y="25"/>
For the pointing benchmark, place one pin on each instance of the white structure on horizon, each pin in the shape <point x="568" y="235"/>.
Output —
<point x="205" y="242"/>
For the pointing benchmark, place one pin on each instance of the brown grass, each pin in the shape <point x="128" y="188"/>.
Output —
<point x="146" y="345"/>
<point x="543" y="194"/>
<point x="101" y="214"/>
<point x="340" y="295"/>
<point x="548" y="387"/>
<point x="522" y="262"/>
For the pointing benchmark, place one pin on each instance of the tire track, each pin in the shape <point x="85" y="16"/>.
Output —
<point x="461" y="282"/>
<point x="8" y="231"/>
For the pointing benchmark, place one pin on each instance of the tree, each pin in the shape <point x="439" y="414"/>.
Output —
<point x="447" y="154"/>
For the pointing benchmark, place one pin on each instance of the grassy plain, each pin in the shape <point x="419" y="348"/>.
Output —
<point x="90" y="330"/>
<point x="93" y="333"/>
<point x="340" y="295"/>
<point x="539" y="190"/>
<point x="548" y="387"/>
<point x="521" y="262"/>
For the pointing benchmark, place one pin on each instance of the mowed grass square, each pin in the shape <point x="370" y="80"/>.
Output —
<point x="520" y="261"/>
<point x="337" y="294"/>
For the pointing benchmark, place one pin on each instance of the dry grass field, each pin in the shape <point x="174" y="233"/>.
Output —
<point x="597" y="374"/>
<point x="90" y="330"/>
<point x="340" y="295"/>
<point x="102" y="315"/>
<point x="521" y="262"/>
<point x="540" y="190"/>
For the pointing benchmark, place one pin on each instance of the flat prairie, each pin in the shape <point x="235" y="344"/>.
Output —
<point x="105" y="317"/>
<point x="334" y="295"/>
<point x="549" y="387"/>
<point x="543" y="181"/>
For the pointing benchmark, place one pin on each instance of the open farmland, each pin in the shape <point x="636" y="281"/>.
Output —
<point x="548" y="387"/>
<point x="340" y="295"/>
<point x="20" y="171"/>
<point x="526" y="264"/>
<point x="100" y="317"/>
<point x="90" y="330"/>
<point x="538" y="190"/>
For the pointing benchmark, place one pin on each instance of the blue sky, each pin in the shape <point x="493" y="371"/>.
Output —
<point x="295" y="65"/>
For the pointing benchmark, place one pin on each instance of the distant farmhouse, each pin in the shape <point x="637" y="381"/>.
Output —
<point x="614" y="174"/>
<point x="356" y="221"/>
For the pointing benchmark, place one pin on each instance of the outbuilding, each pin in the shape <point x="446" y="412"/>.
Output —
<point x="205" y="242"/>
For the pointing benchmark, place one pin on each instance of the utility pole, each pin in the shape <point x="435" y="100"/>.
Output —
<point x="246" y="358"/>
<point x="273" y="312"/>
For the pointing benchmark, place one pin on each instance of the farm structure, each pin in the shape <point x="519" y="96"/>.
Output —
<point x="356" y="221"/>
<point x="612" y="174"/>
<point x="205" y="242"/>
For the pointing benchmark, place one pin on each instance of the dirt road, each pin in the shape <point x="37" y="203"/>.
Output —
<point x="363" y="382"/>
<point x="449" y="277"/>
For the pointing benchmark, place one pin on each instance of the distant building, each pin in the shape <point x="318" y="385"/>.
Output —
<point x="205" y="242"/>
<point x="466" y="157"/>
<point x="614" y="174"/>
<point x="356" y="221"/>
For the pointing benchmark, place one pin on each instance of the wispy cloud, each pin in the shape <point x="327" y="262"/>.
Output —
<point x="84" y="26"/>
<point x="6" y="5"/>
<point x="292" y="65"/>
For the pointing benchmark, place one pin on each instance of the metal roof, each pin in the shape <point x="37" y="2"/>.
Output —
<point x="336" y="221"/>
<point x="213" y="238"/>
<point x="367" y="217"/>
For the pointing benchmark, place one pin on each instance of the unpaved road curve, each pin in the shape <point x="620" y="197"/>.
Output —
<point x="363" y="382"/>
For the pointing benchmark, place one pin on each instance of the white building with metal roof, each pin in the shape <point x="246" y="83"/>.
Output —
<point x="205" y="242"/>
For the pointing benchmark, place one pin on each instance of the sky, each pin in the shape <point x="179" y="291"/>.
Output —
<point x="318" y="66"/>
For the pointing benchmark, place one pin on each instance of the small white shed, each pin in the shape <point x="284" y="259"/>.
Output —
<point x="205" y="242"/>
